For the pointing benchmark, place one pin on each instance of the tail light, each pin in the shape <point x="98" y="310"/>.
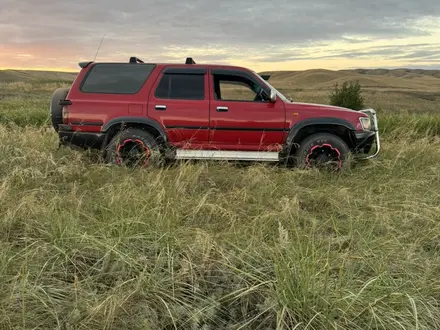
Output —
<point x="65" y="113"/>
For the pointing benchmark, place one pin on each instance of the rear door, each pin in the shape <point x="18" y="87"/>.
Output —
<point x="179" y="100"/>
<point x="240" y="117"/>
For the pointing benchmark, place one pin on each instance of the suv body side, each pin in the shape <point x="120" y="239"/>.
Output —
<point x="191" y="107"/>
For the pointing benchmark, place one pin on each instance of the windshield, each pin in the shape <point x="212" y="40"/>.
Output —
<point x="279" y="94"/>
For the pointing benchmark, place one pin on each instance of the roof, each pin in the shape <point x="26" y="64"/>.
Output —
<point x="189" y="62"/>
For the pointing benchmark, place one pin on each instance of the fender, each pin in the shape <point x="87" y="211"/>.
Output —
<point x="137" y="120"/>
<point x="293" y="132"/>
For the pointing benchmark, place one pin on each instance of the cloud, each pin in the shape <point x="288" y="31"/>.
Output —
<point x="423" y="54"/>
<point x="265" y="31"/>
<point x="412" y="51"/>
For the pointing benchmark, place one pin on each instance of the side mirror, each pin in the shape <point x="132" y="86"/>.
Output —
<point x="273" y="96"/>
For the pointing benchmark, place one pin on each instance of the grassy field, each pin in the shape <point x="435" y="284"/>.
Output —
<point x="219" y="246"/>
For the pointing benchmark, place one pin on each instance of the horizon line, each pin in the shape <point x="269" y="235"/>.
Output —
<point x="65" y="70"/>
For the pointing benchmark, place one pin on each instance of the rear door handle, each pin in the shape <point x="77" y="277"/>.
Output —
<point x="222" y="109"/>
<point x="160" y="107"/>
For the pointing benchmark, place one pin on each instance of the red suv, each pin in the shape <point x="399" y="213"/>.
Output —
<point x="147" y="112"/>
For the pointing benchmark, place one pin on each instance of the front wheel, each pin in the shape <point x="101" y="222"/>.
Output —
<point x="133" y="147"/>
<point x="322" y="151"/>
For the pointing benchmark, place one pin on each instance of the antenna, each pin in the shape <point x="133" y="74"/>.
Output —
<point x="99" y="47"/>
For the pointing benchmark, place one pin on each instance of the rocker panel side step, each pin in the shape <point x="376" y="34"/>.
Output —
<point x="227" y="155"/>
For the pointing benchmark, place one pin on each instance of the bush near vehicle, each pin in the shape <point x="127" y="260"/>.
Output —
<point x="144" y="113"/>
<point x="349" y="95"/>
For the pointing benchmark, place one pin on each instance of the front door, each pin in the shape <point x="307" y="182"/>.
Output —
<point x="241" y="115"/>
<point x="180" y="102"/>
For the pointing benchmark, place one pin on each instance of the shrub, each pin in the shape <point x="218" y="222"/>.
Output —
<point x="347" y="96"/>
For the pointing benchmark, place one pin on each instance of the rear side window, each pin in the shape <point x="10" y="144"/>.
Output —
<point x="181" y="86"/>
<point x="125" y="78"/>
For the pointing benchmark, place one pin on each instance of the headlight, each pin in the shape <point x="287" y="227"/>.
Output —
<point x="366" y="123"/>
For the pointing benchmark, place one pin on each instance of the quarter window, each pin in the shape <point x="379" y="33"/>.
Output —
<point x="108" y="78"/>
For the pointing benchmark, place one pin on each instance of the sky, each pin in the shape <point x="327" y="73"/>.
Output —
<point x="259" y="34"/>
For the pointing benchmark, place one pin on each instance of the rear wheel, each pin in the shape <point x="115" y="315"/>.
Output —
<point x="323" y="151"/>
<point x="133" y="147"/>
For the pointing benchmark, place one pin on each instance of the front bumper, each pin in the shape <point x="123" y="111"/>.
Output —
<point x="365" y="140"/>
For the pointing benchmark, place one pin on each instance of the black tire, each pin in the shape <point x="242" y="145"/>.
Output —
<point x="141" y="144"/>
<point x="323" y="150"/>
<point x="56" y="110"/>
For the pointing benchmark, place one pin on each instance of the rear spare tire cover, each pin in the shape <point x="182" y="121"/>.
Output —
<point x="56" y="110"/>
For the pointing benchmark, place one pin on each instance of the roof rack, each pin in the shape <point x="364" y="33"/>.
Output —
<point x="189" y="60"/>
<point x="134" y="59"/>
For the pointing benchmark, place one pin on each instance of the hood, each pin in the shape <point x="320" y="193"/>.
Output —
<point x="322" y="107"/>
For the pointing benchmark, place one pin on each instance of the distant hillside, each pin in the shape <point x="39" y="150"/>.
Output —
<point x="407" y="73"/>
<point x="379" y="79"/>
<point x="386" y="79"/>
<point x="34" y="75"/>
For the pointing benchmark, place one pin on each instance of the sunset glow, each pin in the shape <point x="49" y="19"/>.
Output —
<point x="264" y="38"/>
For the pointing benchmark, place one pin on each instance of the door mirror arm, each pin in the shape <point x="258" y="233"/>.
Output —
<point x="272" y="96"/>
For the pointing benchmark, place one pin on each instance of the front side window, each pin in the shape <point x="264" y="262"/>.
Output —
<point x="237" y="88"/>
<point x="280" y="95"/>
<point x="181" y="86"/>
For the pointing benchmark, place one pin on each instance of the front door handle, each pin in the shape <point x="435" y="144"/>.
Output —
<point x="160" y="107"/>
<point x="222" y="109"/>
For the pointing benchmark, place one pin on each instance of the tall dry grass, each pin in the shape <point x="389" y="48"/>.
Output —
<point x="208" y="245"/>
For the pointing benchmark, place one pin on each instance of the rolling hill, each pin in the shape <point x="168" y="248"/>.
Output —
<point x="379" y="79"/>
<point x="405" y="79"/>
<point x="34" y="76"/>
